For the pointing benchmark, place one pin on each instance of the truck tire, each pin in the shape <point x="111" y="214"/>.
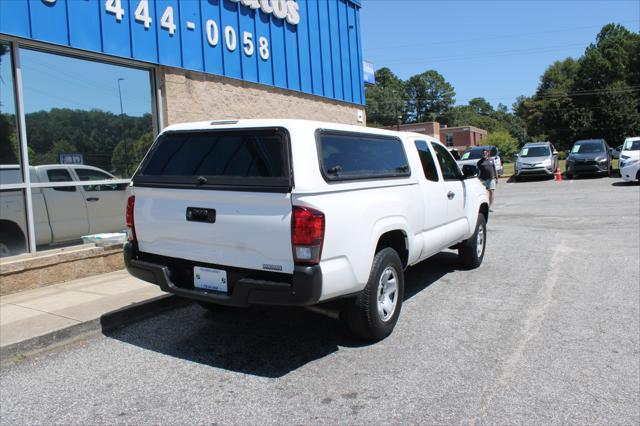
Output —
<point x="374" y="313"/>
<point x="11" y="244"/>
<point x="471" y="251"/>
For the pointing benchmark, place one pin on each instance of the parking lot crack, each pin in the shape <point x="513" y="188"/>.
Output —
<point x="531" y="327"/>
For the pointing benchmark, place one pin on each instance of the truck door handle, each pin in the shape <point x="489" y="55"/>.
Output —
<point x="450" y="195"/>
<point x="91" y="199"/>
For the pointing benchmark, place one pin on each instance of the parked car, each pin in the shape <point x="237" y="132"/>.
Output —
<point x="472" y="155"/>
<point x="589" y="157"/>
<point x="630" y="160"/>
<point x="60" y="214"/>
<point x="294" y="212"/>
<point x="536" y="159"/>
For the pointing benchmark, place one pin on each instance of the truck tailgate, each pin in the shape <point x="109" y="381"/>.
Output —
<point x="251" y="230"/>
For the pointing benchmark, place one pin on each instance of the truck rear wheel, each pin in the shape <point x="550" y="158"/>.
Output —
<point x="471" y="251"/>
<point x="375" y="311"/>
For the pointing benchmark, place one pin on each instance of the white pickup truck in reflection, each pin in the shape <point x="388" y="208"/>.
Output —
<point x="63" y="213"/>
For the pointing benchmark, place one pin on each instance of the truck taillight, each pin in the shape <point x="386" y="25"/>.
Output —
<point x="307" y="235"/>
<point x="129" y="217"/>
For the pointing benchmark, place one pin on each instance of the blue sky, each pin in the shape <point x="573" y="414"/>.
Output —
<point x="62" y="82"/>
<point x="492" y="49"/>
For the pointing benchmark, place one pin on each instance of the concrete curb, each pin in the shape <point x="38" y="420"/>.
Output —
<point x="108" y="321"/>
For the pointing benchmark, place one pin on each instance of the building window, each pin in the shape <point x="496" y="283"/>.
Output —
<point x="448" y="139"/>
<point x="13" y="218"/>
<point x="84" y="120"/>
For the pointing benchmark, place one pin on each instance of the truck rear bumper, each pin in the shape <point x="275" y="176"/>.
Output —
<point x="303" y="288"/>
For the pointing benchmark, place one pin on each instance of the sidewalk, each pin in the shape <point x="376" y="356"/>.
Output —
<point x="35" y="319"/>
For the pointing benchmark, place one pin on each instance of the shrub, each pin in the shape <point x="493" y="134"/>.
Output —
<point x="506" y="143"/>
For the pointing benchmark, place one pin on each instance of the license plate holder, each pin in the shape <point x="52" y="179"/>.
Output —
<point x="210" y="279"/>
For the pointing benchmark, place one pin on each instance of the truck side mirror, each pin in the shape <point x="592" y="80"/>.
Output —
<point x="469" y="171"/>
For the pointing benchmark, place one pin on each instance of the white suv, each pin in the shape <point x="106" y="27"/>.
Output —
<point x="293" y="212"/>
<point x="630" y="160"/>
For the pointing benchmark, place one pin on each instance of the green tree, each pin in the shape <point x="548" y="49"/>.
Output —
<point x="480" y="113"/>
<point x="503" y="140"/>
<point x="480" y="106"/>
<point x="8" y="142"/>
<point x="128" y="154"/>
<point x="597" y="95"/>
<point x="93" y="133"/>
<point x="428" y="96"/>
<point x="385" y="99"/>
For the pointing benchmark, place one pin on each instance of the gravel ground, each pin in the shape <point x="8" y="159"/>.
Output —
<point x="547" y="330"/>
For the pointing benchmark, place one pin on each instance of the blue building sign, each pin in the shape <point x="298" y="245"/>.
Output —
<point x="312" y="46"/>
<point x="369" y="73"/>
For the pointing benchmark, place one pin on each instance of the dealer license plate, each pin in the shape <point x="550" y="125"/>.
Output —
<point x="210" y="279"/>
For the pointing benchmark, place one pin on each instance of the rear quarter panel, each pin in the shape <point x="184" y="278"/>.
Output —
<point x="356" y="213"/>
<point x="354" y="221"/>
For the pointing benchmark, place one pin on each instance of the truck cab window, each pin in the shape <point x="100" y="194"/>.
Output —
<point x="90" y="174"/>
<point x="428" y="165"/>
<point x="450" y="170"/>
<point x="61" y="175"/>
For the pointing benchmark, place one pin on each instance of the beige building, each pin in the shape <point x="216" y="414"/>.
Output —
<point x="191" y="96"/>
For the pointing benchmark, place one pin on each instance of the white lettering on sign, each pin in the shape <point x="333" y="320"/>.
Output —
<point x="212" y="32"/>
<point x="280" y="8"/>
<point x="288" y="10"/>
<point x="293" y="15"/>
<point x="253" y="4"/>
<point x="115" y="7"/>
<point x="142" y="13"/>
<point x="166" y="21"/>
<point x="230" y="38"/>
<point x="247" y="41"/>
<point x="265" y="6"/>
<point x="264" y="48"/>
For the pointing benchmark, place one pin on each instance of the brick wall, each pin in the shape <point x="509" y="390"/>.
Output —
<point x="189" y="96"/>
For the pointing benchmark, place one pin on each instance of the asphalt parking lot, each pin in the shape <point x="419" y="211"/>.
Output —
<point x="547" y="330"/>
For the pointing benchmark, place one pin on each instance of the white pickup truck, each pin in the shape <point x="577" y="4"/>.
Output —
<point x="294" y="212"/>
<point x="61" y="213"/>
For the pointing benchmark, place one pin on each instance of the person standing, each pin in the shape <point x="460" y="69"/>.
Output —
<point x="488" y="174"/>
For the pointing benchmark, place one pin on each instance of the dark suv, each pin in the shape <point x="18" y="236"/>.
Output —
<point x="589" y="157"/>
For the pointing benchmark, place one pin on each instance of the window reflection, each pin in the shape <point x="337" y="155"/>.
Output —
<point x="86" y="112"/>
<point x="13" y="223"/>
<point x="85" y="121"/>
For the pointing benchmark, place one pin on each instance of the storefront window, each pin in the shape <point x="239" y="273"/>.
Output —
<point x="86" y="112"/>
<point x="85" y="121"/>
<point x="13" y="224"/>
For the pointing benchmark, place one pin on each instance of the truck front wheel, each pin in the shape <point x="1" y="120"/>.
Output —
<point x="471" y="251"/>
<point x="374" y="313"/>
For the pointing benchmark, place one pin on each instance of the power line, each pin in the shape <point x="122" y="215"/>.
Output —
<point x="432" y="43"/>
<point x="493" y="54"/>
<point x="594" y="92"/>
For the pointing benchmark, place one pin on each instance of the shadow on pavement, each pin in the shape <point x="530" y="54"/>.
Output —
<point x="422" y="275"/>
<point x="262" y="341"/>
<point x="532" y="178"/>
<point x="624" y="183"/>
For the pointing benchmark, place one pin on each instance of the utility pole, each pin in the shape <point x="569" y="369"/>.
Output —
<point x="398" y="116"/>
<point x="120" y="94"/>
<point x="126" y="154"/>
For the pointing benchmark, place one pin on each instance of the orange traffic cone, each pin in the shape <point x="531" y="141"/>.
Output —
<point x="558" y="174"/>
